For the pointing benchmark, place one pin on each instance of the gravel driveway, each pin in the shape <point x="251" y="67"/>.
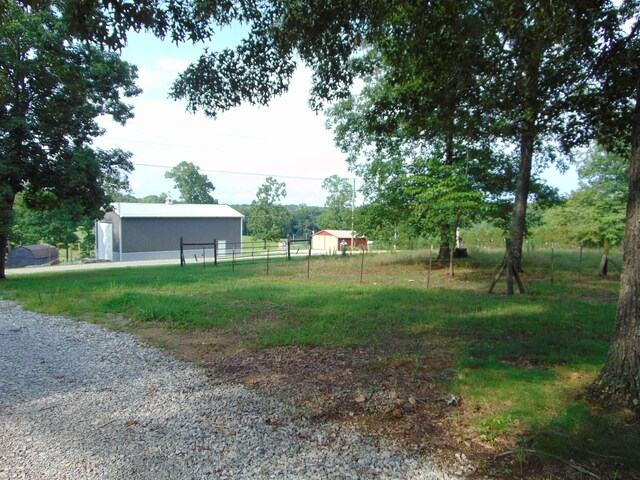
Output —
<point x="79" y="401"/>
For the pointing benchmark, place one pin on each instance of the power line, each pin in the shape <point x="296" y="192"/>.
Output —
<point x="183" y="145"/>
<point x="230" y="172"/>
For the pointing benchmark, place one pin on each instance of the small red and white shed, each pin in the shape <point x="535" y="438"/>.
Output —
<point x="330" y="240"/>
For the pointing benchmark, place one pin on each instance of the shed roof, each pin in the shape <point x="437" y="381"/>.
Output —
<point x="177" y="210"/>
<point x="42" y="250"/>
<point x="338" y="233"/>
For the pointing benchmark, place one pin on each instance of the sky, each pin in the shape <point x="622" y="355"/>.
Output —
<point x="238" y="149"/>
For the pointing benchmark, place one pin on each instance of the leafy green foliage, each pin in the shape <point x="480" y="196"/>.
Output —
<point x="444" y="200"/>
<point x="595" y="213"/>
<point x="338" y="206"/>
<point x="162" y="198"/>
<point x="303" y="220"/>
<point x="268" y="217"/>
<point x="57" y="226"/>
<point x="194" y="187"/>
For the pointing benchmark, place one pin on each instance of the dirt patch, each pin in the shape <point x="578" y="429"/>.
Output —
<point x="200" y="346"/>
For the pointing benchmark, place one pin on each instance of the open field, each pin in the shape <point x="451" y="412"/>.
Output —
<point x="447" y="369"/>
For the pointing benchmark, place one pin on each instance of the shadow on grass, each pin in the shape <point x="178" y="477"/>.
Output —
<point x="601" y="441"/>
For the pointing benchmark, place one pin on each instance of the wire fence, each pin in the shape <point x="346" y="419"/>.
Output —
<point x="234" y="253"/>
<point x="296" y="258"/>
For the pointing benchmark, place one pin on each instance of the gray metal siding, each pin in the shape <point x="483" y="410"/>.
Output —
<point x="163" y="234"/>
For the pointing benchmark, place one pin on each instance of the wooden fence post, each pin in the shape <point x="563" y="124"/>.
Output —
<point x="182" y="260"/>
<point x="215" y="252"/>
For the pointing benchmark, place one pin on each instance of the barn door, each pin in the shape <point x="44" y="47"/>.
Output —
<point x="104" y="241"/>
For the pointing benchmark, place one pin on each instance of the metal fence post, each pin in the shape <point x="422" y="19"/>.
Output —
<point x="553" y="251"/>
<point x="580" y="262"/>
<point x="430" y="265"/>
<point x="309" y="262"/>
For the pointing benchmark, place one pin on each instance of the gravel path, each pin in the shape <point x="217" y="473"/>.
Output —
<point x="79" y="401"/>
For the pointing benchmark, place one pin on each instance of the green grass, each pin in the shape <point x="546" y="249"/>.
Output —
<point x="523" y="362"/>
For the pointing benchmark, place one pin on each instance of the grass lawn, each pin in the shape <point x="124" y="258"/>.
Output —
<point x="520" y="365"/>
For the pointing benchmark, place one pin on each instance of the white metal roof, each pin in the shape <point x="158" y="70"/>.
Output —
<point x="177" y="210"/>
<point x="337" y="233"/>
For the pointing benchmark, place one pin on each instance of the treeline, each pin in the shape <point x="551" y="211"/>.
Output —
<point x="300" y="221"/>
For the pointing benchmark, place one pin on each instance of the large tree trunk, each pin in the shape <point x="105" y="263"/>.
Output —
<point x="522" y="194"/>
<point x="6" y="220"/>
<point x="3" y="254"/>
<point x="619" y="379"/>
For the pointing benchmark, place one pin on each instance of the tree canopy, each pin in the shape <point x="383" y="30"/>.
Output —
<point x="194" y="187"/>
<point x="338" y="206"/>
<point x="268" y="216"/>
<point x="58" y="226"/>
<point x="594" y="215"/>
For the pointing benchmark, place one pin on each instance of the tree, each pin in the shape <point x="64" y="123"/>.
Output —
<point x="458" y="77"/>
<point x="384" y="225"/>
<point x="128" y="198"/>
<point x="617" y="121"/>
<point x="193" y="186"/>
<point x="542" y="52"/>
<point x="444" y="195"/>
<point x="339" y="204"/>
<point x="52" y="89"/>
<point x="267" y="217"/>
<point x="595" y="213"/>
<point x="57" y="226"/>
<point x="303" y="220"/>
